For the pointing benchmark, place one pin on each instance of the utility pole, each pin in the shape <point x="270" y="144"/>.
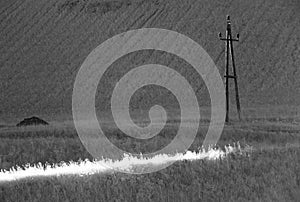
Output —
<point x="228" y="52"/>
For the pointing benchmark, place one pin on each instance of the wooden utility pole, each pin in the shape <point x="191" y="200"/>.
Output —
<point x="228" y="52"/>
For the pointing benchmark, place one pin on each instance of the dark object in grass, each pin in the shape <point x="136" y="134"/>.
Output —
<point x="32" y="121"/>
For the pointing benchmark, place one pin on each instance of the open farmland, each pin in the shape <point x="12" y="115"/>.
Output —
<point x="43" y="43"/>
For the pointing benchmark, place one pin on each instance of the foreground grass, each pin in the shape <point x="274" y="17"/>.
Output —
<point x="270" y="175"/>
<point x="50" y="145"/>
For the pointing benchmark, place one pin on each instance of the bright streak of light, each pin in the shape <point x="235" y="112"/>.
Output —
<point x="87" y="167"/>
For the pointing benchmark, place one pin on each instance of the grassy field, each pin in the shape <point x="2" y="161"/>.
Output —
<point x="270" y="171"/>
<point x="54" y="144"/>
<point x="43" y="43"/>
<point x="267" y="175"/>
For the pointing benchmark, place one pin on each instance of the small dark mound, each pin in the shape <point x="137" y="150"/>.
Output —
<point x="32" y="121"/>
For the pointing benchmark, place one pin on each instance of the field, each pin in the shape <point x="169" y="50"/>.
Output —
<point x="266" y="168"/>
<point x="43" y="44"/>
<point x="264" y="176"/>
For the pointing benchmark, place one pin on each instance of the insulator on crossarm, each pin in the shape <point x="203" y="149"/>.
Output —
<point x="228" y="18"/>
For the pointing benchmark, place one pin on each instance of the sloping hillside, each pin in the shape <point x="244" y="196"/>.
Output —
<point x="44" y="42"/>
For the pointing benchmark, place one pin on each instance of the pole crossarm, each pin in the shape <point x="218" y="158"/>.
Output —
<point x="223" y="39"/>
<point x="230" y="76"/>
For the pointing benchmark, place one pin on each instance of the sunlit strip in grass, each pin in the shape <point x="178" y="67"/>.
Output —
<point x="87" y="167"/>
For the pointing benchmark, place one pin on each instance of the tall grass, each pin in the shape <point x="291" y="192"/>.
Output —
<point x="272" y="175"/>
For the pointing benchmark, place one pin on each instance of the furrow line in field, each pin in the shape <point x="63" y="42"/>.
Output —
<point x="8" y="12"/>
<point x="132" y="15"/>
<point x="251" y="25"/>
<point x="149" y="18"/>
<point x="66" y="42"/>
<point x="195" y="28"/>
<point x="62" y="29"/>
<point x="32" y="53"/>
<point x="6" y="6"/>
<point x="30" y="62"/>
<point x="186" y="13"/>
<point x="273" y="72"/>
<point x="64" y="56"/>
<point x="43" y="57"/>
<point x="137" y="57"/>
<point x="248" y="37"/>
<point x="91" y="40"/>
<point x="50" y="29"/>
<point x="38" y="19"/>
<point x="19" y="55"/>
<point x="116" y="27"/>
<point x="157" y="22"/>
<point x="176" y="23"/>
<point x="17" y="19"/>
<point x="31" y="24"/>
<point x="16" y="44"/>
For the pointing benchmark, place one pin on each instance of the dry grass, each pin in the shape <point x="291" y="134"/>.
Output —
<point x="271" y="175"/>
